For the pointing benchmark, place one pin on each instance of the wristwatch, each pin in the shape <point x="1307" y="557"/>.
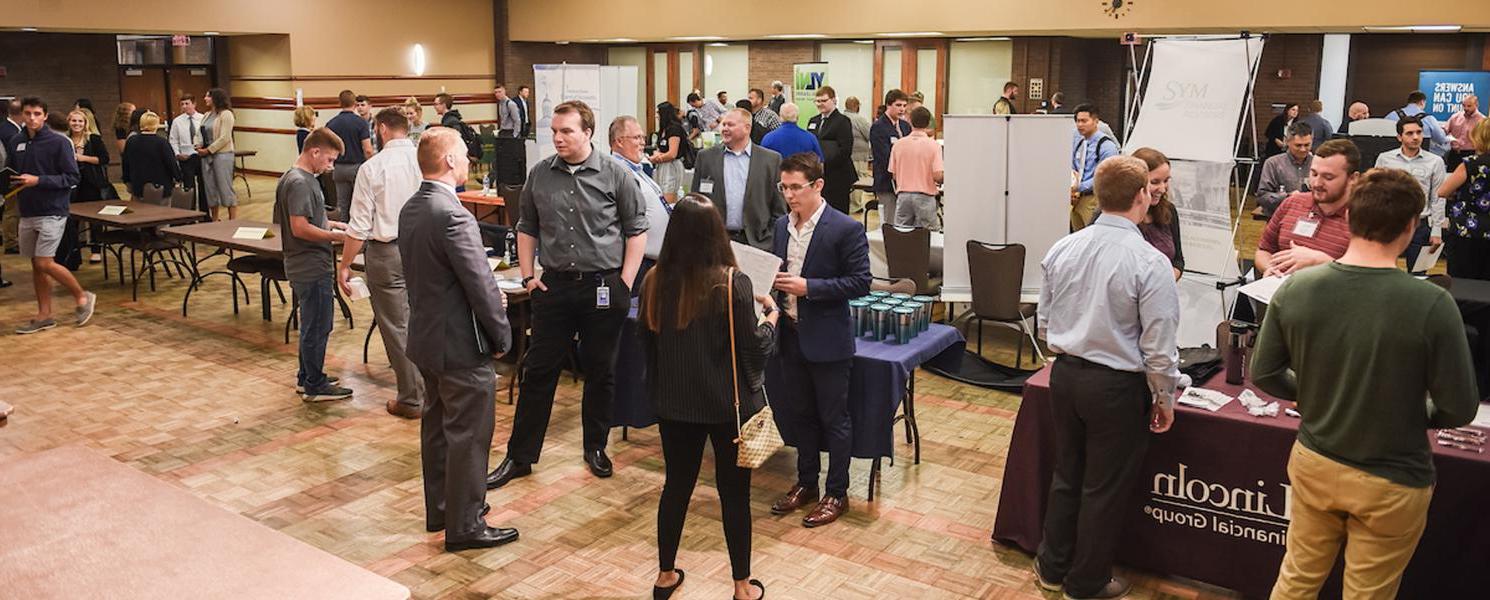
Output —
<point x="526" y="280"/>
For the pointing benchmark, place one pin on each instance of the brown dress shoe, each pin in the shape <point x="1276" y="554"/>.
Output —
<point x="793" y="500"/>
<point x="827" y="511"/>
<point x="403" y="410"/>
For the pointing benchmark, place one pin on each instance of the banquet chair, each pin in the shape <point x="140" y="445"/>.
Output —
<point x="908" y="255"/>
<point x="997" y="275"/>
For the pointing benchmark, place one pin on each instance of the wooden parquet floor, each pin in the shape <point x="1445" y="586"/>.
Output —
<point x="207" y="403"/>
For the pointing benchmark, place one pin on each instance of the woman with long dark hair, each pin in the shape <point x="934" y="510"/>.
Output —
<point x="217" y="153"/>
<point x="1161" y="224"/>
<point x="1277" y="131"/>
<point x="666" y="159"/>
<point x="696" y="377"/>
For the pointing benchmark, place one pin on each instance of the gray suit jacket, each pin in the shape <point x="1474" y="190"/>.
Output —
<point x="763" y="202"/>
<point x="456" y="319"/>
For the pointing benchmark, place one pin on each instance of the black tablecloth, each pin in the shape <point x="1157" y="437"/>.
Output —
<point x="880" y="374"/>
<point x="1172" y="529"/>
<point x="1473" y="298"/>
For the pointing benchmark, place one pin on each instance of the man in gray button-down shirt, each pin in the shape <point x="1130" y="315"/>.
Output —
<point x="1286" y="173"/>
<point x="583" y="214"/>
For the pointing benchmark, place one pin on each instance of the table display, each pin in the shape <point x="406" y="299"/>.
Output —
<point x="134" y="216"/>
<point x="1212" y="500"/>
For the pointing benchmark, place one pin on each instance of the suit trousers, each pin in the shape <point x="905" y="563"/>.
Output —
<point x="819" y="413"/>
<point x="682" y="456"/>
<point x="837" y="196"/>
<point x="345" y="178"/>
<point x="566" y="309"/>
<point x="887" y="202"/>
<point x="191" y="178"/>
<point x="390" y="302"/>
<point x="454" y="444"/>
<point x="1101" y="432"/>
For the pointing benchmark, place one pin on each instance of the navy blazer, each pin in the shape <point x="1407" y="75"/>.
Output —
<point x="836" y="268"/>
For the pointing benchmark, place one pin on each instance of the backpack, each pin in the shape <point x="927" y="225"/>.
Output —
<point x="472" y="140"/>
<point x="687" y="153"/>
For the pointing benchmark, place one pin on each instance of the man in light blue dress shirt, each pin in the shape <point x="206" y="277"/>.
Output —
<point x="1109" y="308"/>
<point x="1090" y="145"/>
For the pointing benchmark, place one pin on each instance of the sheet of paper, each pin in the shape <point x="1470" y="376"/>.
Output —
<point x="1482" y="418"/>
<point x="1263" y="289"/>
<point x="760" y="266"/>
<point x="359" y="289"/>
<point x="112" y="209"/>
<point x="1427" y="257"/>
<point x="251" y="233"/>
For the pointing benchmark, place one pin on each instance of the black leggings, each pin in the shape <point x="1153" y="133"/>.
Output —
<point x="682" y="454"/>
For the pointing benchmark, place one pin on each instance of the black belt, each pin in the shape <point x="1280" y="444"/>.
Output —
<point x="576" y="275"/>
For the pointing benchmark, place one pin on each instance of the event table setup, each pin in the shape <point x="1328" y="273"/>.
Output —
<point x="488" y="197"/>
<point x="882" y="383"/>
<point x="1213" y="495"/>
<point x="137" y="217"/>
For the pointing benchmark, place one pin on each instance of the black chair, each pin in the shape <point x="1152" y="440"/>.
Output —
<point x="908" y="256"/>
<point x="997" y="276"/>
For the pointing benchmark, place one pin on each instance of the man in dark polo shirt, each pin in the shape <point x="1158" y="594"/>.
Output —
<point x="585" y="216"/>
<point x="352" y="129"/>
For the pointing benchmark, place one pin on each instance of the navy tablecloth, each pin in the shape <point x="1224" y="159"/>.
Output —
<point x="881" y="372"/>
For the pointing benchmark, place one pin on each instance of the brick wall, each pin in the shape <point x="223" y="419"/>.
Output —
<point x="1085" y="70"/>
<point x="1299" y="54"/>
<point x="62" y="67"/>
<point x="772" y="61"/>
<point x="518" y="59"/>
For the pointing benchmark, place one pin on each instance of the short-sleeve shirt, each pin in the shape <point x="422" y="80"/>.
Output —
<point x="913" y="161"/>
<point x="299" y="194"/>
<point x="672" y="130"/>
<point x="1330" y="235"/>
<point x="352" y="130"/>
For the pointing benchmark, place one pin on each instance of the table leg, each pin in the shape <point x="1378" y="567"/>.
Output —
<point x="874" y="476"/>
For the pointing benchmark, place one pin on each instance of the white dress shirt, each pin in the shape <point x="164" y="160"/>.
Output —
<point x="384" y="183"/>
<point x="1428" y="169"/>
<point x="1109" y="297"/>
<point x="186" y="133"/>
<point x="658" y="212"/>
<point x="796" y="249"/>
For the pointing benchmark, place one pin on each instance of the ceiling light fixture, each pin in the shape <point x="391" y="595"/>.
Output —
<point x="696" y="38"/>
<point x="718" y="45"/>
<point x="911" y="34"/>
<point x="796" y="36"/>
<point x="620" y="40"/>
<point x="982" y="39"/>
<point x="210" y="33"/>
<point x="1416" y="28"/>
<point x="28" y="29"/>
<point x="418" y="59"/>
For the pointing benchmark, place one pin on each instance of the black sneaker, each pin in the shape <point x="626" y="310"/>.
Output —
<point x="1115" y="588"/>
<point x="327" y="392"/>
<point x="300" y="389"/>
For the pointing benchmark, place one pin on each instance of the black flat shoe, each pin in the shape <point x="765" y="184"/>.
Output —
<point x="488" y="538"/>
<point x="756" y="583"/>
<point x="663" y="593"/>
<point x="433" y="527"/>
<point x="599" y="463"/>
<point x="507" y="471"/>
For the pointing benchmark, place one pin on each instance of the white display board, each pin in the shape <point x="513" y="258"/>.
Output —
<point x="610" y="91"/>
<point x="1201" y="193"/>
<point x="1008" y="180"/>
<point x="1195" y="92"/>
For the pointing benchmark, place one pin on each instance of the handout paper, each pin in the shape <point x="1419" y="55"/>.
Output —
<point x="1427" y="257"/>
<point x="112" y="210"/>
<point x="758" y="265"/>
<point x="251" y="233"/>
<point x="1263" y="289"/>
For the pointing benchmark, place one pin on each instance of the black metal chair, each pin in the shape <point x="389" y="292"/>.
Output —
<point x="996" y="275"/>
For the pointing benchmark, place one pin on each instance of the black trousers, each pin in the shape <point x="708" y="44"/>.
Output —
<point x="1101" y="430"/>
<point x="1468" y="258"/>
<point x="191" y="178"/>
<point x="454" y="443"/>
<point x="837" y="195"/>
<point x="566" y="309"/>
<point x="818" y="414"/>
<point x="682" y="455"/>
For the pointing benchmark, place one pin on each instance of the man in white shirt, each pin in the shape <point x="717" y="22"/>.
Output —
<point x="186" y="133"/>
<point x="384" y="183"/>
<point x="1428" y="169"/>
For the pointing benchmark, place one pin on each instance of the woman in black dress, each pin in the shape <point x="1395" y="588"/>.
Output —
<point x="1277" y="131"/>
<point x="696" y="379"/>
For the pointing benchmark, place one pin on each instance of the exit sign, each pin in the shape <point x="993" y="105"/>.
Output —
<point x="180" y="41"/>
<point x="2" y="71"/>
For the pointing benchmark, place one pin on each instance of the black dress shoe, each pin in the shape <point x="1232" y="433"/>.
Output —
<point x="490" y="537"/>
<point x="663" y="593"/>
<point x="599" y="463"/>
<point x="507" y="471"/>
<point x="433" y="527"/>
<point x="5" y="283"/>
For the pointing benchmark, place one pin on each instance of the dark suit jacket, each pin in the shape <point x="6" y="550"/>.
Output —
<point x="763" y="202"/>
<point x="836" y="268"/>
<point x="837" y="138"/>
<point x="456" y="319"/>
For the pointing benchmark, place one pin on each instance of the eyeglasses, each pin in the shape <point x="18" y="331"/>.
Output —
<point x="794" y="188"/>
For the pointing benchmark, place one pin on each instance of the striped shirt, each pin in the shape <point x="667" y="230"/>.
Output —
<point x="1331" y="236"/>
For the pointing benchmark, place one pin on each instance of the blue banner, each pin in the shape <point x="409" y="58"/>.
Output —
<point x="1446" y="89"/>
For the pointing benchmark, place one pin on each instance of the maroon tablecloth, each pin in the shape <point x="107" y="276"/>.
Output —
<point x="1181" y="524"/>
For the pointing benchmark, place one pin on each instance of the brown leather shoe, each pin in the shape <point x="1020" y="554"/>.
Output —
<point x="403" y="410"/>
<point x="827" y="511"/>
<point x="793" y="500"/>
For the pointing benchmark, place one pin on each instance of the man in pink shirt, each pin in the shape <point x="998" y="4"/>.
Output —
<point x="1460" y="125"/>
<point x="916" y="164"/>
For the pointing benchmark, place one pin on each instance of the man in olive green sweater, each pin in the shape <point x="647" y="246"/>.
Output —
<point x="1369" y="380"/>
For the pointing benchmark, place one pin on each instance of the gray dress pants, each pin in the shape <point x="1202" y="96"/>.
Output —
<point x="390" y="302"/>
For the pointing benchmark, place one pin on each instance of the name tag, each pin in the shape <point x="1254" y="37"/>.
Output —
<point x="21" y="147"/>
<point x="812" y="125"/>
<point x="602" y="297"/>
<point x="1305" y="228"/>
<point x="706" y="186"/>
<point x="893" y="140"/>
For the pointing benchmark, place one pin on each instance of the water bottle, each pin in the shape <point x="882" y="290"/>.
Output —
<point x="511" y="247"/>
<point x="1235" y="351"/>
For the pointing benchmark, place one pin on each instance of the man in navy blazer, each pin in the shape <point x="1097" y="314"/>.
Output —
<point x="825" y="264"/>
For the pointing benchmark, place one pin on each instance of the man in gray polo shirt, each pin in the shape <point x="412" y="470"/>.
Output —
<point x="585" y="216"/>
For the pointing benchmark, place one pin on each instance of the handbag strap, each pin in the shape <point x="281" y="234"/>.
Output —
<point x="734" y="367"/>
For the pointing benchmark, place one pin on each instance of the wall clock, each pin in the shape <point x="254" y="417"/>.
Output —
<point x="1117" y="9"/>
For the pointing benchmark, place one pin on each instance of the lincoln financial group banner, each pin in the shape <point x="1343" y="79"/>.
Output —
<point x="1446" y="89"/>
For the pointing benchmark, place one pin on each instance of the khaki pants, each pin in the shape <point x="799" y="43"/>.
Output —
<point x="1083" y="212"/>
<point x="12" y="224"/>
<point x="1378" y="521"/>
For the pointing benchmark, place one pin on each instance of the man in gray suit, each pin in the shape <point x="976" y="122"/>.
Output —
<point x="457" y="324"/>
<point x="741" y="179"/>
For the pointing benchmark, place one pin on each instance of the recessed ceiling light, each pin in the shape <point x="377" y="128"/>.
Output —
<point x="719" y="45"/>
<point x="210" y="33"/>
<point x="796" y="36"/>
<point x="620" y="40"/>
<point x="562" y="42"/>
<point x="696" y="38"/>
<point x="982" y="39"/>
<point x="863" y="41"/>
<point x="912" y="34"/>
<point x="1417" y="28"/>
<point x="28" y="29"/>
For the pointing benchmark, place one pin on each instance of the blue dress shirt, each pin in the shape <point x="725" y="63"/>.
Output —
<point x="1084" y="159"/>
<point x="789" y="139"/>
<point x="736" y="172"/>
